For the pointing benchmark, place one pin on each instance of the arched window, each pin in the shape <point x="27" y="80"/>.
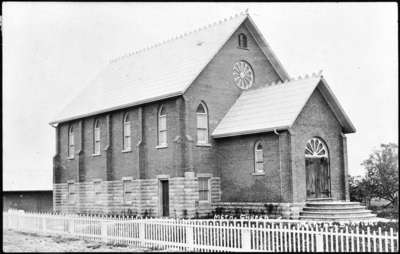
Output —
<point x="242" y="41"/>
<point x="71" y="142"/>
<point x="126" y="142"/>
<point x="258" y="158"/>
<point x="162" y="126"/>
<point x="96" y="137"/>
<point x="202" y="124"/>
<point x="316" y="148"/>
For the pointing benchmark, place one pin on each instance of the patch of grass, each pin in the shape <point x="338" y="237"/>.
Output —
<point x="93" y="246"/>
<point x="29" y="234"/>
<point x="122" y="245"/>
<point x="63" y="239"/>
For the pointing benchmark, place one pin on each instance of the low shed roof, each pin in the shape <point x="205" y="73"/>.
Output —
<point x="276" y="107"/>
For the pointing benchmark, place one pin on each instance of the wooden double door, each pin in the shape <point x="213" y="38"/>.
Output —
<point x="317" y="177"/>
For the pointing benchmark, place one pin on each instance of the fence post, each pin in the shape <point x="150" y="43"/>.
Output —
<point x="246" y="239"/>
<point x="44" y="224"/>
<point x="103" y="231"/>
<point x="70" y="224"/>
<point x="319" y="243"/>
<point x="189" y="236"/>
<point x="141" y="232"/>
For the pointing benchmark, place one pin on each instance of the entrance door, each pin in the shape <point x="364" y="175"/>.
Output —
<point x="165" y="197"/>
<point x="317" y="169"/>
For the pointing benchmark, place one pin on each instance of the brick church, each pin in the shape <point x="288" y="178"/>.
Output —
<point x="206" y="119"/>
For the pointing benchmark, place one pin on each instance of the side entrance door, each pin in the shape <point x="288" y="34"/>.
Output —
<point x="317" y="174"/>
<point x="317" y="169"/>
<point x="165" y="197"/>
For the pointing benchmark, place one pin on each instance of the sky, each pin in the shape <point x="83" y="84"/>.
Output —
<point x="52" y="50"/>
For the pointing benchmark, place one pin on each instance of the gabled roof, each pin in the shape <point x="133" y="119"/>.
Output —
<point x="277" y="106"/>
<point x="161" y="71"/>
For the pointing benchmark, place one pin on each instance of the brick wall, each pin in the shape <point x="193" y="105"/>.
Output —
<point x="236" y="162"/>
<point x="122" y="163"/>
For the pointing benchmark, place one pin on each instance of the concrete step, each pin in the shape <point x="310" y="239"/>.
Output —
<point x="341" y="218"/>
<point x="333" y="204"/>
<point x="334" y="208"/>
<point x="336" y="214"/>
<point x="319" y="199"/>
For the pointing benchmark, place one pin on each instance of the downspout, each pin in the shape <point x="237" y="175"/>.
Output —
<point x="55" y="164"/>
<point x="280" y="163"/>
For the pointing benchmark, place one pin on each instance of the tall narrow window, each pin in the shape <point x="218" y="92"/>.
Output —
<point x="242" y="41"/>
<point x="258" y="158"/>
<point x="202" y="124"/>
<point x="71" y="142"/>
<point x="162" y="126"/>
<point x="96" y="138"/>
<point x="126" y="133"/>
<point x="126" y="191"/>
<point x="71" y="192"/>
<point x="204" y="189"/>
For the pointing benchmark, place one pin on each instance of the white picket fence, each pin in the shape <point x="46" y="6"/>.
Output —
<point x="207" y="235"/>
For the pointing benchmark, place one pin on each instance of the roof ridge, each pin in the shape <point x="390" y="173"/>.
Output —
<point x="306" y="76"/>
<point x="179" y="36"/>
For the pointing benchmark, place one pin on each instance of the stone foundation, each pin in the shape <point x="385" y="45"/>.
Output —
<point x="135" y="196"/>
<point x="273" y="210"/>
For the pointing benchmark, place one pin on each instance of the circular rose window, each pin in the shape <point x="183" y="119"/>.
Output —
<point x="243" y="75"/>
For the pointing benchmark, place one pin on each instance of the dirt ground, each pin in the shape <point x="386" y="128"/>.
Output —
<point x="24" y="242"/>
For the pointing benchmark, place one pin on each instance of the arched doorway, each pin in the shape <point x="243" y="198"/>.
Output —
<point x="317" y="169"/>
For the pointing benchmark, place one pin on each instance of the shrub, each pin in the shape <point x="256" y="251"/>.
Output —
<point x="389" y="214"/>
<point x="269" y="208"/>
<point x="219" y="210"/>
<point x="185" y="213"/>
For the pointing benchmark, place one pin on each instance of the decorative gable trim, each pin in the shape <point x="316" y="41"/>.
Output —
<point x="335" y="106"/>
<point x="265" y="48"/>
<point x="72" y="113"/>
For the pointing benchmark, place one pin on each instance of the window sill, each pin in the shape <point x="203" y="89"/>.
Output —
<point x="96" y="154"/>
<point x="126" y="151"/>
<point x="70" y="158"/>
<point x="204" y="202"/>
<point x="205" y="145"/>
<point x="258" y="173"/>
<point x="243" y="48"/>
<point x="161" y="146"/>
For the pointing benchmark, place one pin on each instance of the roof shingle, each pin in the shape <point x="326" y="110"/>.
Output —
<point x="162" y="71"/>
<point x="275" y="107"/>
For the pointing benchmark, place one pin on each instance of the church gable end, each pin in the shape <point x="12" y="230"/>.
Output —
<point x="216" y="88"/>
<point x="317" y="120"/>
<point x="316" y="112"/>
